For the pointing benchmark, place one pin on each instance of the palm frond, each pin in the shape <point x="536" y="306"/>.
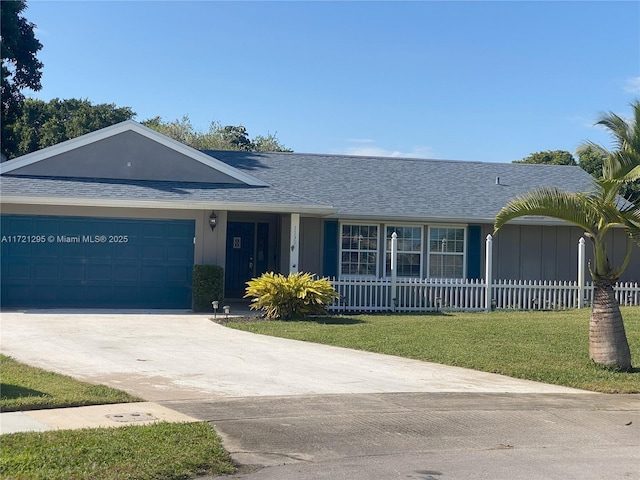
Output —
<point x="575" y="208"/>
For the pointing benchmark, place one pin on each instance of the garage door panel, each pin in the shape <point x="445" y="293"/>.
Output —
<point x="45" y="271"/>
<point x="127" y="251"/>
<point x="72" y="296"/>
<point x="178" y="274"/>
<point x="98" y="251"/>
<point x="178" y="233"/>
<point x="153" y="252"/>
<point x="70" y="251"/>
<point x="18" y="249"/>
<point x="97" y="262"/>
<point x="17" y="271"/>
<point x="100" y="273"/>
<point x="127" y="296"/>
<point x="45" y="250"/>
<point x="72" y="272"/>
<point x="152" y="274"/>
<point x="126" y="273"/>
<point x="178" y="253"/>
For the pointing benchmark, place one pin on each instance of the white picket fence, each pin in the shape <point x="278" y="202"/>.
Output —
<point x="423" y="295"/>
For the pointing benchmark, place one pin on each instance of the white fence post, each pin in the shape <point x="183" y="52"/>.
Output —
<point x="488" y="274"/>
<point x="581" y="260"/>
<point x="394" y="270"/>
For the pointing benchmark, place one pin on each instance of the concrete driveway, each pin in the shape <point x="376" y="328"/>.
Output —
<point x="165" y="356"/>
<point x="304" y="411"/>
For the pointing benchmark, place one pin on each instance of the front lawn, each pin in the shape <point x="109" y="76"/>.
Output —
<point x="549" y="347"/>
<point x="168" y="451"/>
<point x="29" y="388"/>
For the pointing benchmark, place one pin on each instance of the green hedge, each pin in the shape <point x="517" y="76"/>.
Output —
<point x="207" y="286"/>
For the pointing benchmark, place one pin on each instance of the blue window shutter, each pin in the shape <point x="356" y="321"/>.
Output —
<point x="474" y="251"/>
<point x="330" y="257"/>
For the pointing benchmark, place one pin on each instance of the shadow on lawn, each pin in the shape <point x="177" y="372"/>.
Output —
<point x="14" y="391"/>
<point x="354" y="319"/>
<point x="337" y="320"/>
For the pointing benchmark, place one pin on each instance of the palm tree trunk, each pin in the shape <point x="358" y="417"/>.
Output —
<point x="608" y="344"/>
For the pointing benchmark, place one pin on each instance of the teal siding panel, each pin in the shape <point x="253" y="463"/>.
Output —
<point x="330" y="256"/>
<point x="56" y="261"/>
<point x="474" y="251"/>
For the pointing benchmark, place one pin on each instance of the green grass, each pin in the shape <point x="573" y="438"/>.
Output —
<point x="149" y="452"/>
<point x="159" y="451"/>
<point x="30" y="388"/>
<point x="549" y="347"/>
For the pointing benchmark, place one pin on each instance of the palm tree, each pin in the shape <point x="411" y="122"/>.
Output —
<point x="597" y="212"/>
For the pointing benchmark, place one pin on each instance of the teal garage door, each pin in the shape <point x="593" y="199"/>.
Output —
<point x="55" y="261"/>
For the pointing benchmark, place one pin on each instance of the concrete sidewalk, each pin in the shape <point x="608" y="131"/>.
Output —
<point x="95" y="416"/>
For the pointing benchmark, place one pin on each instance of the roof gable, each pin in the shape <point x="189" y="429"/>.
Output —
<point x="126" y="151"/>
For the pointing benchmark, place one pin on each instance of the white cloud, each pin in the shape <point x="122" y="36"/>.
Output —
<point x="360" y="140"/>
<point x="367" y="148"/>
<point x="633" y="85"/>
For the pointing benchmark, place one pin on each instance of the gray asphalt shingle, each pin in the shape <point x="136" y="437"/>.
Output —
<point x="353" y="186"/>
<point x="403" y="187"/>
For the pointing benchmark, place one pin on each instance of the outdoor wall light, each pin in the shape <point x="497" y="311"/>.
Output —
<point x="213" y="220"/>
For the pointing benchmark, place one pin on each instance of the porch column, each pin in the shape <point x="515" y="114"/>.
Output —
<point x="294" y="243"/>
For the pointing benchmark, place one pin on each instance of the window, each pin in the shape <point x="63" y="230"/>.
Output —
<point x="409" y="251"/>
<point x="359" y="250"/>
<point x="446" y="252"/>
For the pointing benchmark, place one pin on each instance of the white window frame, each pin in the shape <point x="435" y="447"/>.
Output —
<point x="388" y="251"/>
<point x="464" y="248"/>
<point x="377" y="250"/>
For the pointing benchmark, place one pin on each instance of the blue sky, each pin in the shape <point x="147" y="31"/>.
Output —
<point x="482" y="81"/>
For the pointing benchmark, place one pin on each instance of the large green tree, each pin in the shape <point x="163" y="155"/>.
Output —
<point x="41" y="124"/>
<point x="21" y="68"/>
<point x="218" y="137"/>
<point x="549" y="157"/>
<point x="597" y="212"/>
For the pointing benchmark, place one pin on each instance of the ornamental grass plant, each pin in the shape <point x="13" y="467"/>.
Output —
<point x="297" y="295"/>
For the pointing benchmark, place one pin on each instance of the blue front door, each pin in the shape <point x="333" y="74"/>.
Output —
<point x="240" y="257"/>
<point x="247" y="255"/>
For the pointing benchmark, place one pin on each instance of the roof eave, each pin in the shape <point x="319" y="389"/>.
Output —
<point x="417" y="218"/>
<point x="316" y="210"/>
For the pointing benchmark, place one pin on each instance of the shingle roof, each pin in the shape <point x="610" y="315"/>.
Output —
<point x="338" y="185"/>
<point x="153" y="191"/>
<point x="400" y="187"/>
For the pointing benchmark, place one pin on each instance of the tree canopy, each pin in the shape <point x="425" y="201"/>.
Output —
<point x="21" y="68"/>
<point x="549" y="157"/>
<point x="41" y="124"/>
<point x="218" y="137"/>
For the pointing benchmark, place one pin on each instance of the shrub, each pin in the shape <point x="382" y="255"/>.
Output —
<point x="296" y="295"/>
<point x="207" y="286"/>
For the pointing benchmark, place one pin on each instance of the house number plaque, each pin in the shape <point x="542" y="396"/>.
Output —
<point x="237" y="242"/>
